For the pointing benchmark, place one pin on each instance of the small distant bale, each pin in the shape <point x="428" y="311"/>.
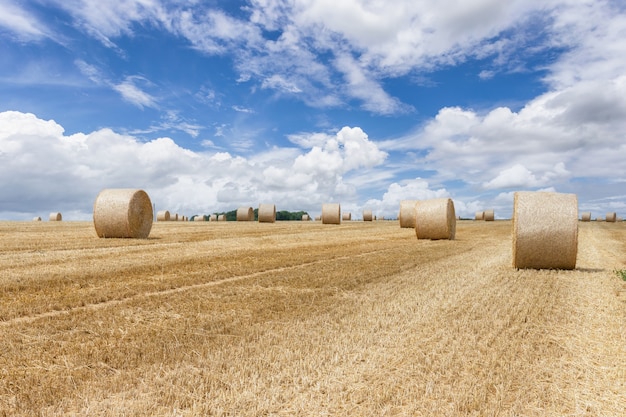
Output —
<point x="221" y="218"/>
<point x="346" y="216"/>
<point x="480" y="215"/>
<point x="318" y="218"/>
<point x="331" y="213"/>
<point x="368" y="215"/>
<point x="55" y="217"/>
<point x="163" y="216"/>
<point x="245" y="214"/>
<point x="213" y="218"/>
<point x="174" y="217"/>
<point x="585" y="216"/>
<point x="435" y="219"/>
<point x="199" y="218"/>
<point x="267" y="213"/>
<point x="37" y="219"/>
<point x="407" y="213"/>
<point x="489" y="215"/>
<point x="305" y="218"/>
<point x="619" y="219"/>
<point x="611" y="217"/>
<point x="545" y="230"/>
<point x="122" y="213"/>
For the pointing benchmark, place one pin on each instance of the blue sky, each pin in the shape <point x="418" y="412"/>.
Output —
<point x="212" y="105"/>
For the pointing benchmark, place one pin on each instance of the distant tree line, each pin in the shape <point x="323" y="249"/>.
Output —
<point x="281" y="215"/>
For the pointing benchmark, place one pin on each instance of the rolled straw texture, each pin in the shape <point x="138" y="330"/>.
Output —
<point x="435" y="219"/>
<point x="331" y="213"/>
<point x="545" y="230"/>
<point x="407" y="213"/>
<point x="610" y="217"/>
<point x="267" y="213"/>
<point x="245" y="214"/>
<point x="585" y="216"/>
<point x="367" y="215"/>
<point x="163" y="216"/>
<point x="122" y="213"/>
<point x="489" y="215"/>
<point x="480" y="215"/>
<point x="55" y="217"/>
<point x="346" y="216"/>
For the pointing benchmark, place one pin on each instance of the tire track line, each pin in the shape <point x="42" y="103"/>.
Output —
<point x="109" y="303"/>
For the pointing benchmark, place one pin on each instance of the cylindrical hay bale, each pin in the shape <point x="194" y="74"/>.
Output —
<point x="174" y="217"/>
<point x="611" y="217"/>
<point x="545" y="230"/>
<point x="305" y="218"/>
<point x="122" y="213"/>
<point x="318" y="218"/>
<point x="221" y="218"/>
<point x="489" y="215"/>
<point x="55" y="217"/>
<point x="367" y="215"/>
<point x="163" y="216"/>
<point x="480" y="215"/>
<point x="407" y="213"/>
<point x="37" y="219"/>
<point x="346" y="216"/>
<point x="331" y="213"/>
<point x="213" y="218"/>
<point x="245" y="214"/>
<point x="199" y="218"/>
<point x="585" y="216"/>
<point x="435" y="219"/>
<point x="267" y="213"/>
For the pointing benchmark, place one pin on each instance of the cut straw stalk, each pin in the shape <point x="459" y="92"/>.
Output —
<point x="122" y="213"/>
<point x="407" y="213"/>
<point x="435" y="219"/>
<point x="545" y="230"/>
<point x="331" y="213"/>
<point x="245" y="214"/>
<point x="267" y="213"/>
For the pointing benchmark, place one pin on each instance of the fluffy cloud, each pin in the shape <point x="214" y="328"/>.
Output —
<point x="47" y="170"/>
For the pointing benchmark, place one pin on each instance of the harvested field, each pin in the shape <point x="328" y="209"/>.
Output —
<point x="297" y="318"/>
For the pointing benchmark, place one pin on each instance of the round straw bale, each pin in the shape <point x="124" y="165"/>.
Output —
<point x="163" y="216"/>
<point x="331" y="213"/>
<point x="55" y="217"/>
<point x="213" y="218"/>
<point x="123" y="213"/>
<point x="346" y="216"/>
<point x="267" y="213"/>
<point x="480" y="215"/>
<point x="619" y="219"/>
<point x="221" y="218"/>
<point x="585" y="216"/>
<point x="407" y="213"/>
<point x="367" y="215"/>
<point x="305" y="218"/>
<point x="37" y="219"/>
<point x="245" y="214"/>
<point x="318" y="218"/>
<point x="545" y="230"/>
<point x="610" y="217"/>
<point x="435" y="219"/>
<point x="198" y="218"/>
<point x="489" y="215"/>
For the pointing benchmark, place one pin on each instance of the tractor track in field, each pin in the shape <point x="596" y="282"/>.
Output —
<point x="236" y="278"/>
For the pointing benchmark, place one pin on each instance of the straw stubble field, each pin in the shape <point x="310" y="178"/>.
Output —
<point x="299" y="318"/>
